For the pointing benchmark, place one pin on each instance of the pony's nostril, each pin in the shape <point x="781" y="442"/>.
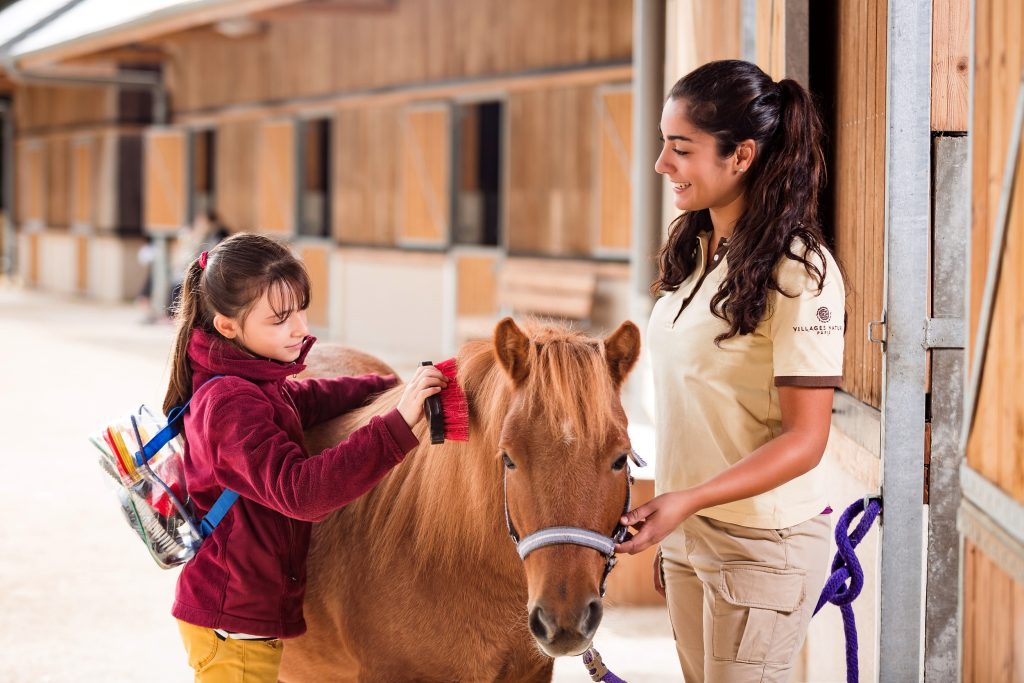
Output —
<point x="539" y="627"/>
<point x="591" y="618"/>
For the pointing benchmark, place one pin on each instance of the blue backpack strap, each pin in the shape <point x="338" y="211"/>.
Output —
<point x="173" y="428"/>
<point x="175" y="417"/>
<point x="216" y="514"/>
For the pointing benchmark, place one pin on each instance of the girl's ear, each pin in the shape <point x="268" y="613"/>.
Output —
<point x="227" y="327"/>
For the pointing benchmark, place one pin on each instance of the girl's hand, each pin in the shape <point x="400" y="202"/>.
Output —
<point x="427" y="382"/>
<point x="656" y="519"/>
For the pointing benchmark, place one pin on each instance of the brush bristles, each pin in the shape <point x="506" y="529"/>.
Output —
<point x="454" y="406"/>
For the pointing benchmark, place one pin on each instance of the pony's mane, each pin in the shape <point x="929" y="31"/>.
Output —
<point x="445" y="502"/>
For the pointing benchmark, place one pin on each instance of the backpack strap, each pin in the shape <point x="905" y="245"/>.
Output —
<point x="175" y="421"/>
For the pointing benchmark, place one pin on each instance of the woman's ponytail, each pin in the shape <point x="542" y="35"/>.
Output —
<point x="798" y="170"/>
<point x="189" y="314"/>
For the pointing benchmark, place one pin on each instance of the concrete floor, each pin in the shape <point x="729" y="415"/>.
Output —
<point x="80" y="600"/>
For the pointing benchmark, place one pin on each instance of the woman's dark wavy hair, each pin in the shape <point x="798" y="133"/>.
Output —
<point x="238" y="272"/>
<point x="734" y="101"/>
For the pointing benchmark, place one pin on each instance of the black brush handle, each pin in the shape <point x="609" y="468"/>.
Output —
<point x="432" y="407"/>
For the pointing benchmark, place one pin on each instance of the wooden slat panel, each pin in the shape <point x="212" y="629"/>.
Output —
<point x="614" y="122"/>
<point x="39" y="107"/>
<point x="31" y="155"/>
<point x="476" y="284"/>
<point x="82" y="254"/>
<point x="365" y="181"/>
<point x="165" y="197"/>
<point x="276" y="178"/>
<point x="771" y="38"/>
<point x="318" y="264"/>
<point x="236" y="181"/>
<point x="58" y="182"/>
<point x="993" y="621"/>
<point x="550" y="195"/>
<point x="859" y="181"/>
<point x="85" y="169"/>
<point x="425" y="176"/>
<point x="356" y="49"/>
<point x="951" y="41"/>
<point x="997" y="436"/>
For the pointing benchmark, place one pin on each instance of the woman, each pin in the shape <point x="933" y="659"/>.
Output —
<point x="747" y="348"/>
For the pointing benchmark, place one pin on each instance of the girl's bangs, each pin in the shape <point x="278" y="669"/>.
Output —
<point x="288" y="295"/>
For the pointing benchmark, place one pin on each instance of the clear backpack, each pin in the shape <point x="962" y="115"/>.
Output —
<point x="143" y="457"/>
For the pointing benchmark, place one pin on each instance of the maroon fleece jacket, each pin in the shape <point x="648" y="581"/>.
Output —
<point x="244" y="432"/>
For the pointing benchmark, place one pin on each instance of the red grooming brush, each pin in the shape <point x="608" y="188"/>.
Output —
<point x="448" y="412"/>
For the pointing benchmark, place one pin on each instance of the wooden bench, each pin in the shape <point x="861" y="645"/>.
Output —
<point x="540" y="289"/>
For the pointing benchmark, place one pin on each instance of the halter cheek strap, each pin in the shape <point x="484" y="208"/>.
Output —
<point x="570" y="535"/>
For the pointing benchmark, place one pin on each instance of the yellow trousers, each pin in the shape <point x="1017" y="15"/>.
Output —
<point x="230" y="660"/>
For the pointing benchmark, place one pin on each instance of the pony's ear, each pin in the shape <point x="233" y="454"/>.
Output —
<point x="512" y="347"/>
<point x="621" y="349"/>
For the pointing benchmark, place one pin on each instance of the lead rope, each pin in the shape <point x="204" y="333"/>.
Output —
<point x="846" y="567"/>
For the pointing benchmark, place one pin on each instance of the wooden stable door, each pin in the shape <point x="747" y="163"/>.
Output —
<point x="276" y="198"/>
<point x="615" y="150"/>
<point x="165" y="200"/>
<point x="425" y="180"/>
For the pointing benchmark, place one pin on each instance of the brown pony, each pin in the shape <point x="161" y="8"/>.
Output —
<point x="419" y="581"/>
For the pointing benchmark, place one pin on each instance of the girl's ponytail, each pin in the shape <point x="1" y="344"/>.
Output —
<point x="189" y="315"/>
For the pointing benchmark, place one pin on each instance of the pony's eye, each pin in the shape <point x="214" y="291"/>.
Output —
<point x="508" y="461"/>
<point x="619" y="464"/>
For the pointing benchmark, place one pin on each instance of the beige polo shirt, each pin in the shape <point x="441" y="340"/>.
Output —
<point x="715" y="405"/>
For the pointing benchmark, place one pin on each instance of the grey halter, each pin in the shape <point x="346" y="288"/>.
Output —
<point x="571" y="535"/>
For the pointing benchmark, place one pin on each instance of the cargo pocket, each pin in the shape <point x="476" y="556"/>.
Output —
<point x="755" y="616"/>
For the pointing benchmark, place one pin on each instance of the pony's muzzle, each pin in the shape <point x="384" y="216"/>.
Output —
<point x="569" y="635"/>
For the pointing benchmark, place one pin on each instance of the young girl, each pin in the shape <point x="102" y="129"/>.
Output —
<point x="747" y="347"/>
<point x="242" y="316"/>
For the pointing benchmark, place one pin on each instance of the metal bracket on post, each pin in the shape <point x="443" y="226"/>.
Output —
<point x="877" y="332"/>
<point x="944" y="333"/>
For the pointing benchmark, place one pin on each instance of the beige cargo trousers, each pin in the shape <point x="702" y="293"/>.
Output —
<point x="740" y="599"/>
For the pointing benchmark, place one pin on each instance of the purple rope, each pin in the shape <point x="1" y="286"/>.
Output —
<point x="845" y="567"/>
<point x="596" y="668"/>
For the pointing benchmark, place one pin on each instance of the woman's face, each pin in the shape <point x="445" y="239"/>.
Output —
<point x="701" y="179"/>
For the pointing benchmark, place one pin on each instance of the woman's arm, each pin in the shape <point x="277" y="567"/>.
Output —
<point x="806" y="417"/>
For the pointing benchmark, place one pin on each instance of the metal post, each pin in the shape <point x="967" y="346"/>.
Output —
<point x="648" y="98"/>
<point x="952" y="225"/>
<point x="907" y="194"/>
<point x="10" y="255"/>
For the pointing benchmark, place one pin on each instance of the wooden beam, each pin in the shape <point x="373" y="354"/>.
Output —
<point x="600" y="75"/>
<point x="147" y="28"/>
<point x="327" y="7"/>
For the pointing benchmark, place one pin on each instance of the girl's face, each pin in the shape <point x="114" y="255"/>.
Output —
<point x="271" y="330"/>
<point x="701" y="179"/>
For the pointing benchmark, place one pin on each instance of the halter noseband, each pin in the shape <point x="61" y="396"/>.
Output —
<point x="571" y="535"/>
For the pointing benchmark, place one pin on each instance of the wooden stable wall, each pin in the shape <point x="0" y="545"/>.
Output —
<point x="314" y="53"/>
<point x="858" y="179"/>
<point x="993" y="603"/>
<point x="998" y="433"/>
<point x="993" y="631"/>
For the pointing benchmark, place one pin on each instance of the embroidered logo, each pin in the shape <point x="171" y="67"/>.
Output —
<point x="824" y="315"/>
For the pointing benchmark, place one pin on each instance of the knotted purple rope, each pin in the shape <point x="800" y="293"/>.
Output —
<point x="845" y="567"/>
<point x="596" y="668"/>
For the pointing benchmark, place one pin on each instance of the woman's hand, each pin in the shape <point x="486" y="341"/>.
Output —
<point x="657" y="518"/>
<point x="427" y="382"/>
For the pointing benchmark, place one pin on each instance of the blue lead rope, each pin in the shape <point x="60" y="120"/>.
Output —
<point x="846" y="567"/>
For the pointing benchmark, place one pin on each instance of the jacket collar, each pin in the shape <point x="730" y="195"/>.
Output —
<point x="211" y="355"/>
